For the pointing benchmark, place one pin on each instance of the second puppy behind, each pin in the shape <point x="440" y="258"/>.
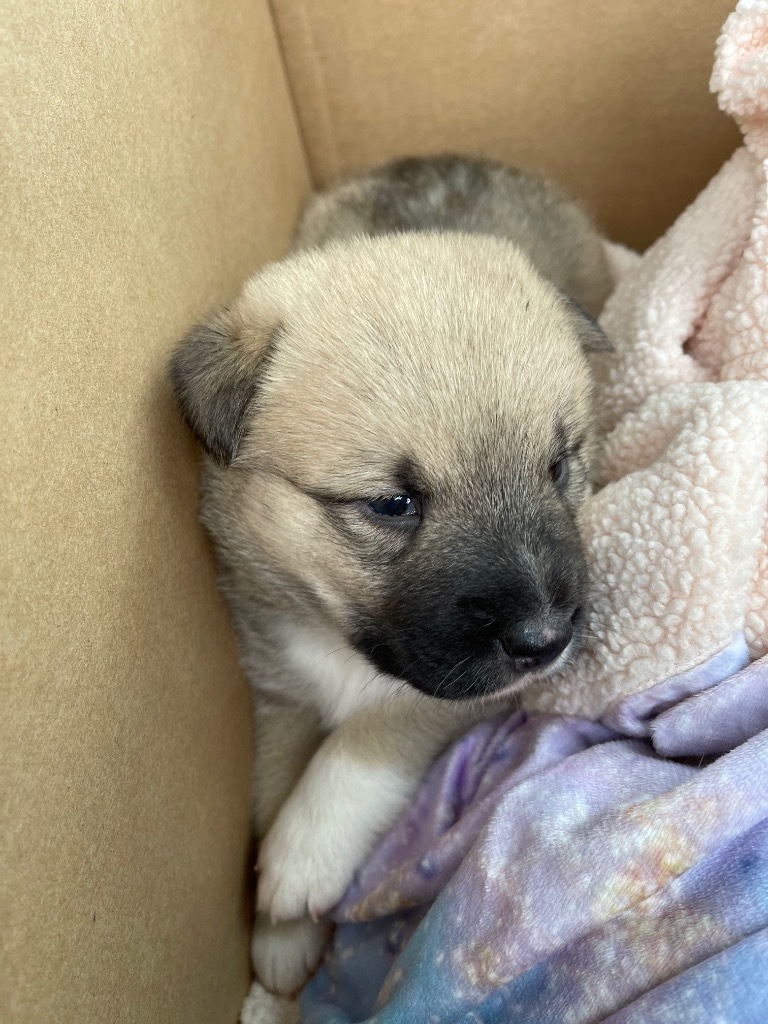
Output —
<point x="398" y="426"/>
<point x="479" y="197"/>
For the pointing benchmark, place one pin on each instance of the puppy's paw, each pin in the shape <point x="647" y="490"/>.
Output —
<point x="261" y="1007"/>
<point x="329" y="824"/>
<point x="285" y="954"/>
<point x="305" y="866"/>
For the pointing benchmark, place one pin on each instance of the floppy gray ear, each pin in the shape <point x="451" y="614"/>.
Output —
<point x="593" y="337"/>
<point x="214" y="376"/>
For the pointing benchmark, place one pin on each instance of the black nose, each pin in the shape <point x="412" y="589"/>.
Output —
<point x="536" y="642"/>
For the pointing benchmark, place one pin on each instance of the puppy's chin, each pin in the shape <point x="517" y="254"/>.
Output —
<point x="458" y="675"/>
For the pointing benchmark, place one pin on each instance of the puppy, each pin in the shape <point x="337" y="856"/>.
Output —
<point x="478" y="197"/>
<point x="398" y="425"/>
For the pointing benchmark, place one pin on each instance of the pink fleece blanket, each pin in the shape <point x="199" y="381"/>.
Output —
<point x="678" y="532"/>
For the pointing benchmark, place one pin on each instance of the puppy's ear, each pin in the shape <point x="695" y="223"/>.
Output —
<point x="591" y="334"/>
<point x="214" y="376"/>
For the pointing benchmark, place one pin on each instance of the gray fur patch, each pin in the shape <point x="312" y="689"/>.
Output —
<point x="214" y="381"/>
<point x="480" y="197"/>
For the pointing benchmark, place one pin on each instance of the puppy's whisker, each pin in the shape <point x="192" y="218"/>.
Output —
<point x="331" y="653"/>
<point x="448" y="674"/>
<point x="404" y="683"/>
<point x="365" y="686"/>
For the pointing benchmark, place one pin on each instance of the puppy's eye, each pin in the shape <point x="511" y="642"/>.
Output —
<point x="560" y="472"/>
<point x="396" y="506"/>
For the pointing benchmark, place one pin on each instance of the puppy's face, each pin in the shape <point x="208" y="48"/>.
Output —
<point x="400" y="431"/>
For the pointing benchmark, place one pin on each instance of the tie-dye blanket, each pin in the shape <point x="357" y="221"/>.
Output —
<point x="557" y="869"/>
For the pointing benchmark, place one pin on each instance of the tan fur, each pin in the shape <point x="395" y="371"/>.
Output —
<point x="329" y="369"/>
<point x="472" y="366"/>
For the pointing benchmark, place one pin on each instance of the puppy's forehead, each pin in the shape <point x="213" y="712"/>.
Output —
<point x="435" y="349"/>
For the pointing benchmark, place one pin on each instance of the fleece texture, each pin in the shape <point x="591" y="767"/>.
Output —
<point x="677" y="534"/>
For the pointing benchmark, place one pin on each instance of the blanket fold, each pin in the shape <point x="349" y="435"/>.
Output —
<point x="553" y="869"/>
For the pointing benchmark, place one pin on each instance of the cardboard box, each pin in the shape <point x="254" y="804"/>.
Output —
<point x="154" y="155"/>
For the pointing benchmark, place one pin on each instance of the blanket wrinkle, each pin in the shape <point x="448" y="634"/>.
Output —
<point x="613" y="855"/>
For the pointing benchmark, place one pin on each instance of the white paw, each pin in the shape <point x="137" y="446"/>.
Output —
<point x="285" y="954"/>
<point x="305" y="866"/>
<point x="262" y="1008"/>
<point x="326" y="829"/>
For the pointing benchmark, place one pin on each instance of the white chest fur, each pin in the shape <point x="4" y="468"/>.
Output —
<point x="338" y="681"/>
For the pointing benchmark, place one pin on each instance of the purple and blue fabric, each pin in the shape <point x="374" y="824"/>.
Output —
<point x="555" y="870"/>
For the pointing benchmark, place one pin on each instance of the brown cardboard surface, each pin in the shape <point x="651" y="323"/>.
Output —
<point x="608" y="96"/>
<point x="151" y="160"/>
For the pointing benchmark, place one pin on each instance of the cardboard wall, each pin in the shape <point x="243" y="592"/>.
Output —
<point x="609" y="97"/>
<point x="150" y="161"/>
